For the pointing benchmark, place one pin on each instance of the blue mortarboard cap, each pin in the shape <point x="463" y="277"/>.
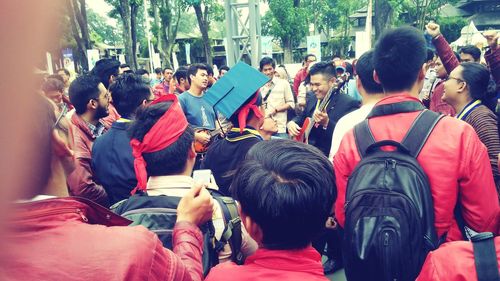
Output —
<point x="229" y="93"/>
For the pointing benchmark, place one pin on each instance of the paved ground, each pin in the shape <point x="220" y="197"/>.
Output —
<point x="337" y="276"/>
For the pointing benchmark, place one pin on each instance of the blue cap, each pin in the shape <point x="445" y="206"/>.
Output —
<point x="231" y="91"/>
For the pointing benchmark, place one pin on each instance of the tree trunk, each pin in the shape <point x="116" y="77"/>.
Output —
<point x="82" y="51"/>
<point x="127" y="32"/>
<point x="134" y="9"/>
<point x="82" y="22"/>
<point x="288" y="50"/>
<point x="157" y="23"/>
<point x="204" y="32"/>
<point x="383" y="16"/>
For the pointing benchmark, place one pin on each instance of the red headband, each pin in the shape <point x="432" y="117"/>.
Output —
<point x="166" y="131"/>
<point x="245" y="110"/>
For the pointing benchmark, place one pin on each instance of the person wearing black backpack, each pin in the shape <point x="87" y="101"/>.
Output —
<point x="402" y="171"/>
<point x="163" y="148"/>
<point x="464" y="260"/>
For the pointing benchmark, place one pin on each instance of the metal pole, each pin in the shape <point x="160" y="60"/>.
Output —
<point x="230" y="60"/>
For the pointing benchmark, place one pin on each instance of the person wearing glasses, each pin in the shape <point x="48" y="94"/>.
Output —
<point x="470" y="92"/>
<point x="91" y="100"/>
<point x="112" y="160"/>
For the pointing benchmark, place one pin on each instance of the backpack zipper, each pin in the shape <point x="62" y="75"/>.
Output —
<point x="149" y="210"/>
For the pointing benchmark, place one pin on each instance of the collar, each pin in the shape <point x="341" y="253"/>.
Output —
<point x="89" y="129"/>
<point x="234" y="134"/>
<point x="123" y="120"/>
<point x="468" y="109"/>
<point x="395" y="98"/>
<point x="160" y="184"/>
<point x="303" y="260"/>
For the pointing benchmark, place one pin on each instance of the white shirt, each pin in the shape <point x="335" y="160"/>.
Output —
<point x="178" y="186"/>
<point x="345" y="124"/>
<point x="281" y="93"/>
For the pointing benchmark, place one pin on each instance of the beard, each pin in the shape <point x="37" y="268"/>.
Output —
<point x="101" y="112"/>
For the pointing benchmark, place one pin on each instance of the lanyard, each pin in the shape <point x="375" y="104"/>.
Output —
<point x="247" y="133"/>
<point x="468" y="109"/>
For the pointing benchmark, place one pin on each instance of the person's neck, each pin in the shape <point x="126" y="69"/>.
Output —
<point x="57" y="182"/>
<point x="254" y="123"/>
<point x="372" y="98"/>
<point x="195" y="91"/>
<point x="89" y="118"/>
<point x="460" y="105"/>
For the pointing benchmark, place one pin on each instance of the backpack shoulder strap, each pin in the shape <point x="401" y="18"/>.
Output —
<point x="420" y="131"/>
<point x="485" y="257"/>
<point x="232" y="228"/>
<point x="394" y="108"/>
<point x="363" y="137"/>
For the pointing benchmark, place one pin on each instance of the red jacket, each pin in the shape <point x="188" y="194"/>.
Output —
<point x="453" y="261"/>
<point x="454" y="159"/>
<point x="450" y="62"/>
<point x="299" y="77"/>
<point x="75" y="239"/>
<point x="81" y="180"/>
<point x="289" y="265"/>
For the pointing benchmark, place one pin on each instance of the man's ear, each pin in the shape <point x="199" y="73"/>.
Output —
<point x="192" y="152"/>
<point x="252" y="228"/>
<point x="92" y="104"/>
<point x="421" y="73"/>
<point x="375" y="77"/>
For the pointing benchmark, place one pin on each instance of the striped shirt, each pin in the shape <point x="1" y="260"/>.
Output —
<point x="484" y="122"/>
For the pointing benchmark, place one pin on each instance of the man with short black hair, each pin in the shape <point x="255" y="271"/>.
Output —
<point x="125" y="68"/>
<point x="164" y="87"/>
<point x="470" y="53"/>
<point x="285" y="190"/>
<point x="198" y="112"/>
<point x="371" y="93"/>
<point x="112" y="160"/>
<point x="107" y="70"/>
<point x="323" y="79"/>
<point x="453" y="158"/>
<point x="90" y="99"/>
<point x="223" y="69"/>
<point x="157" y="78"/>
<point x="181" y="80"/>
<point x="277" y="96"/>
<point x="302" y="74"/>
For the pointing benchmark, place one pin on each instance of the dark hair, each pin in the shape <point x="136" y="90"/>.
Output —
<point x="123" y="65"/>
<point x="289" y="198"/>
<point x="65" y="71"/>
<point x="457" y="55"/>
<point x="83" y="89"/>
<point x="167" y="68"/>
<point x="234" y="118"/>
<point x="471" y="50"/>
<point x="327" y="69"/>
<point x="193" y="70"/>
<point x="349" y="69"/>
<point x="398" y="58"/>
<point x="364" y="69"/>
<point x="224" y="67"/>
<point x="168" y="161"/>
<point x="181" y="72"/>
<point x="104" y="69"/>
<point x="210" y="69"/>
<point x="309" y="55"/>
<point x="477" y="78"/>
<point x="265" y="61"/>
<point x="430" y="54"/>
<point x="53" y="84"/>
<point x="142" y="71"/>
<point x="158" y="70"/>
<point x="128" y="92"/>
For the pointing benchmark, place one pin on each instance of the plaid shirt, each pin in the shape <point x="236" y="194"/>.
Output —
<point x="97" y="130"/>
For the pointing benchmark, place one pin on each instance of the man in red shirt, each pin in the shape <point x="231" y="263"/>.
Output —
<point x="453" y="158"/>
<point x="285" y="190"/>
<point x="301" y="75"/>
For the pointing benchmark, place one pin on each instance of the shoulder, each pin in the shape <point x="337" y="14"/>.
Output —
<point x="224" y="271"/>
<point x="481" y="114"/>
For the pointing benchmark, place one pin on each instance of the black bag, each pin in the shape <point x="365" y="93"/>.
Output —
<point x="159" y="214"/>
<point x="389" y="227"/>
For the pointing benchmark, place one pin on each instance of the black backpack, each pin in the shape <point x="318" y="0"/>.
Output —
<point x="159" y="214"/>
<point x="389" y="227"/>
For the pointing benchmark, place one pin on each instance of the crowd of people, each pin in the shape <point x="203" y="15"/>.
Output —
<point x="387" y="165"/>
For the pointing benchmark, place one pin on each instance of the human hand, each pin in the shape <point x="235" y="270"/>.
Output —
<point x="321" y="118"/>
<point x="433" y="29"/>
<point x="492" y="38"/>
<point x="293" y="129"/>
<point x="202" y="137"/>
<point x="196" y="206"/>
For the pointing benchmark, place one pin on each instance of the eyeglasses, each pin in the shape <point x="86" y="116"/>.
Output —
<point x="458" y="79"/>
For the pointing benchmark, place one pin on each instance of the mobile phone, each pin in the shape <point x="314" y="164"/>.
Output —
<point x="202" y="176"/>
